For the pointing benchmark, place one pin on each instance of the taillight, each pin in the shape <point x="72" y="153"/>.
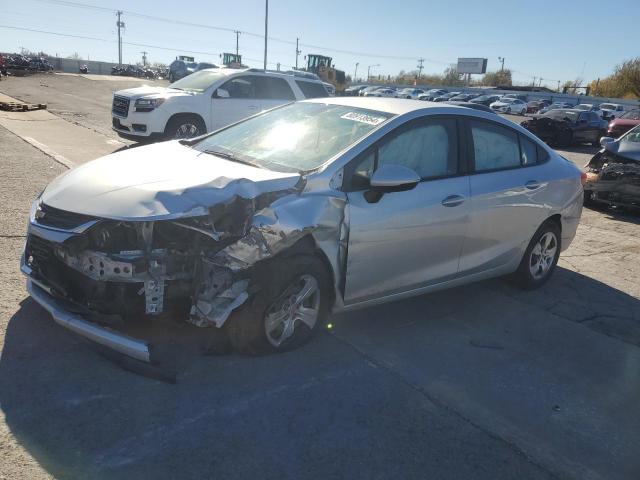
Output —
<point x="583" y="178"/>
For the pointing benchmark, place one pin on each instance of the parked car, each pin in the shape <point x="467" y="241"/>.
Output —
<point x="446" y="96"/>
<point x="556" y="106"/>
<point x="255" y="216"/>
<point x="464" y="97"/>
<point x="509" y="105"/>
<point x="179" y="69"/>
<point x="409" y="93"/>
<point x="485" y="99"/>
<point x="368" y="89"/>
<point x="381" y="92"/>
<point x="429" y="95"/>
<point x="534" y="106"/>
<point x="518" y="96"/>
<point x="475" y="106"/>
<point x="589" y="107"/>
<point x="611" y="110"/>
<point x="205" y="65"/>
<point x="565" y="127"/>
<point x="624" y="123"/>
<point x="354" y="90"/>
<point x="206" y="101"/>
<point x="613" y="172"/>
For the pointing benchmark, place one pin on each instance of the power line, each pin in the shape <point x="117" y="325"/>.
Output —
<point x="174" y="21"/>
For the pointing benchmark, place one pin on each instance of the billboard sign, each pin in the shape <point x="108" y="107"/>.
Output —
<point x="472" y="65"/>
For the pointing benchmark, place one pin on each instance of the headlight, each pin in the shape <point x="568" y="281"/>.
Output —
<point x="148" y="104"/>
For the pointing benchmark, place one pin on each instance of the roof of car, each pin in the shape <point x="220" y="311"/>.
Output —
<point x="395" y="106"/>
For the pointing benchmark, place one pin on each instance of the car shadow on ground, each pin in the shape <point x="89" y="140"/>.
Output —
<point x="81" y="416"/>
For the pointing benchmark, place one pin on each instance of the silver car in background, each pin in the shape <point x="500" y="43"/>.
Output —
<point x="265" y="227"/>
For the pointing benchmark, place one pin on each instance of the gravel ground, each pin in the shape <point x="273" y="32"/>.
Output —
<point x="482" y="381"/>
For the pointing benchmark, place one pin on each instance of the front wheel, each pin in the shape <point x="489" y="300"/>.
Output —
<point x="184" y="126"/>
<point x="289" y="307"/>
<point x="540" y="258"/>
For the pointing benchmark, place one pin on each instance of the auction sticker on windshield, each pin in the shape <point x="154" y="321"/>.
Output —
<point x="363" y="118"/>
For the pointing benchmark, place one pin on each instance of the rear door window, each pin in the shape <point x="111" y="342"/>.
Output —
<point x="270" y="88"/>
<point x="494" y="147"/>
<point x="312" y="89"/>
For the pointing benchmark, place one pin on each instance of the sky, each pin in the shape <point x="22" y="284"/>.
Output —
<point x="553" y="39"/>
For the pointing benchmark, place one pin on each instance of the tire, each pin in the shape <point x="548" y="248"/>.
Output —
<point x="537" y="265"/>
<point x="523" y="111"/>
<point x="184" y="126"/>
<point x="587" y="200"/>
<point x="255" y="328"/>
<point x="171" y="78"/>
<point x="508" y="110"/>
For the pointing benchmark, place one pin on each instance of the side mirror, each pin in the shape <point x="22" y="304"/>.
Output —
<point x="221" y="93"/>
<point x="393" y="178"/>
<point x="604" y="141"/>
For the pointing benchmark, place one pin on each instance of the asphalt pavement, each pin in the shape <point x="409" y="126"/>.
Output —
<point x="482" y="381"/>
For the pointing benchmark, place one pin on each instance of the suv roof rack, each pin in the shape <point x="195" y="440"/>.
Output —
<point x="295" y="73"/>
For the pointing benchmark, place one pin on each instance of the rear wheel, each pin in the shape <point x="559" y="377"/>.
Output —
<point x="289" y="308"/>
<point x="540" y="258"/>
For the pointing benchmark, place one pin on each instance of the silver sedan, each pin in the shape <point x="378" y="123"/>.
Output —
<point x="269" y="225"/>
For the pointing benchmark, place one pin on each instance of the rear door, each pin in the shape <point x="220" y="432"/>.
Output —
<point x="273" y="91"/>
<point x="407" y="239"/>
<point x="506" y="191"/>
<point x="234" y="100"/>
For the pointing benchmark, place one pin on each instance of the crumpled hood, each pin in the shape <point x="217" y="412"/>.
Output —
<point x="159" y="181"/>
<point x="147" y="90"/>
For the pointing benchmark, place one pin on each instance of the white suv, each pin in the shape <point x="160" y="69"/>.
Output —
<point x="206" y="101"/>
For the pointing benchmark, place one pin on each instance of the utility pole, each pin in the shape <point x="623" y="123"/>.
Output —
<point x="558" y="86"/>
<point x="298" y="52"/>
<point x="355" y="73"/>
<point x="144" y="58"/>
<point x="369" y="70"/>
<point x="501" y="60"/>
<point x="266" y="27"/>
<point x="237" y="32"/>
<point x="420" y="67"/>
<point x="534" y="81"/>
<point x="120" y="25"/>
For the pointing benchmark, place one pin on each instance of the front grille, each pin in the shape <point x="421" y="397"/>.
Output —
<point x="120" y="106"/>
<point x="38" y="250"/>
<point x="56" y="218"/>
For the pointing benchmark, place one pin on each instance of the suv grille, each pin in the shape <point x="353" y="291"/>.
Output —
<point x="120" y="106"/>
<point x="39" y="250"/>
<point x="53" y="217"/>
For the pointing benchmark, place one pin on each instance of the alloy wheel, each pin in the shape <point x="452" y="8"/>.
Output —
<point x="543" y="255"/>
<point x="186" y="130"/>
<point x="298" y="304"/>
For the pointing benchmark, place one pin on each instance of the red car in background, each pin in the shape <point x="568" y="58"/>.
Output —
<point x="621" y="125"/>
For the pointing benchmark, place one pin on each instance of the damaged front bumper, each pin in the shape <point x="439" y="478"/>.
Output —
<point x="124" y="344"/>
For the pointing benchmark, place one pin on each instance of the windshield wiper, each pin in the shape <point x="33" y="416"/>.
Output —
<point x="230" y="156"/>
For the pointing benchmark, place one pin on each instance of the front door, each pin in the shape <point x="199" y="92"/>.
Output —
<point x="407" y="239"/>
<point x="234" y="100"/>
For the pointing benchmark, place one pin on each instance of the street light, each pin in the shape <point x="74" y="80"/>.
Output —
<point x="369" y="71"/>
<point x="355" y="74"/>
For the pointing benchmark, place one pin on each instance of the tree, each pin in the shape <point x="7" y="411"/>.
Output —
<point x="499" y="78"/>
<point x="624" y="83"/>
<point x="451" y="77"/>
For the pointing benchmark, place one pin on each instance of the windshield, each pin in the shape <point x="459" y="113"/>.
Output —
<point x="631" y="115"/>
<point x="507" y="100"/>
<point x="632" y="137"/>
<point x="583" y="107"/>
<point x="608" y="106"/>
<point x="198" y="81"/>
<point x="295" y="138"/>
<point x="562" y="115"/>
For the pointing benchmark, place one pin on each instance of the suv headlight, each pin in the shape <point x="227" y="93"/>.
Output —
<point x="148" y="104"/>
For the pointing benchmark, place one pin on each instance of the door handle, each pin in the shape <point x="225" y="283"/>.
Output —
<point x="532" y="184"/>
<point x="253" y="107"/>
<point x="453" y="201"/>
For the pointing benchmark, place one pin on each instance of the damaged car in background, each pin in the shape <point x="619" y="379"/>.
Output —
<point x="566" y="127"/>
<point x="613" y="174"/>
<point x="263" y="228"/>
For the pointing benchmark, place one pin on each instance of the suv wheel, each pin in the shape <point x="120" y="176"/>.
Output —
<point x="289" y="308"/>
<point x="184" y="126"/>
